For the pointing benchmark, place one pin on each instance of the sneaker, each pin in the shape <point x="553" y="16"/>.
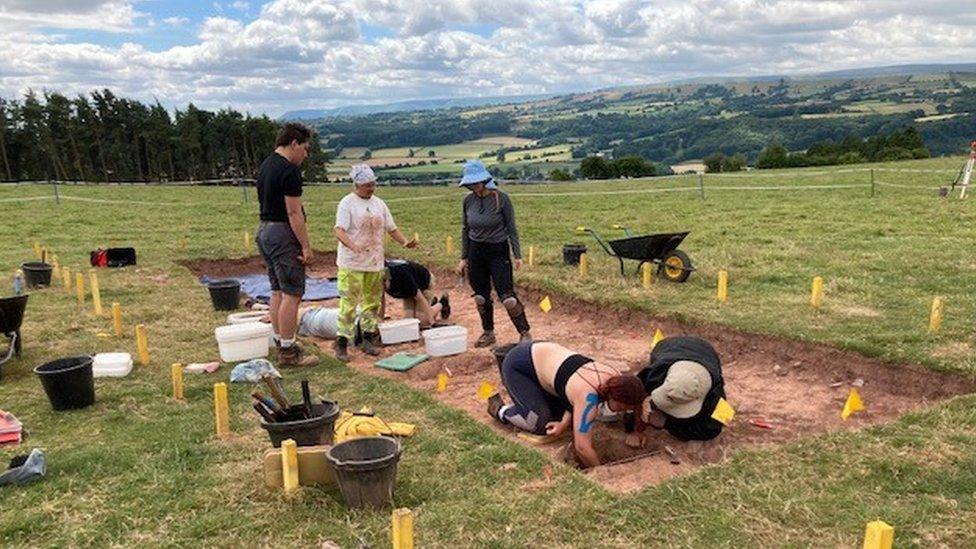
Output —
<point x="445" y="306"/>
<point x="368" y="345"/>
<point x="487" y="339"/>
<point x="341" y="349"/>
<point x="495" y="404"/>
<point x="295" y="356"/>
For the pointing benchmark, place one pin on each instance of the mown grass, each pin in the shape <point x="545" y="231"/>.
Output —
<point x="139" y="468"/>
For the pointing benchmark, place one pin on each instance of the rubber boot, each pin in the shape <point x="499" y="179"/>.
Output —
<point x="369" y="345"/>
<point x="342" y="349"/>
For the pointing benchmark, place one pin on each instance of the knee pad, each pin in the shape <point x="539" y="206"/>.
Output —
<point x="482" y="303"/>
<point x="480" y="300"/>
<point x="513" y="305"/>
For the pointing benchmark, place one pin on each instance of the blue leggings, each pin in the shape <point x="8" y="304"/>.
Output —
<point x="532" y="406"/>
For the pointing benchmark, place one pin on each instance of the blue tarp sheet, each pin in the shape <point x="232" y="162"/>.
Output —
<point x="259" y="287"/>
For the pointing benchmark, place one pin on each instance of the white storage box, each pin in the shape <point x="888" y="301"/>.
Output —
<point x="240" y="342"/>
<point x="399" y="331"/>
<point x="111" y="364"/>
<point x="245" y="317"/>
<point x="445" y="341"/>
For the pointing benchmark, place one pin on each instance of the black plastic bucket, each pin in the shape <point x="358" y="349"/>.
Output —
<point x="225" y="294"/>
<point x="316" y="430"/>
<point x="68" y="382"/>
<point x="37" y="274"/>
<point x="572" y="253"/>
<point x="365" y="469"/>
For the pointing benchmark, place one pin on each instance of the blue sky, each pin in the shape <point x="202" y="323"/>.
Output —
<point x="281" y="55"/>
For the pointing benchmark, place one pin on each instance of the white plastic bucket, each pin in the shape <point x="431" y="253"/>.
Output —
<point x="445" y="341"/>
<point x="111" y="364"/>
<point x="240" y="342"/>
<point x="399" y="331"/>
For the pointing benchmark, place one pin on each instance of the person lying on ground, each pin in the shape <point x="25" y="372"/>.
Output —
<point x="414" y="284"/>
<point x="362" y="220"/>
<point x="684" y="383"/>
<point x="554" y="389"/>
<point x="315" y="321"/>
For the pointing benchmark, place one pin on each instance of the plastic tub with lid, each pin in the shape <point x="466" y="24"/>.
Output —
<point x="446" y="341"/>
<point x="240" y="342"/>
<point x="112" y="364"/>
<point x="399" y="331"/>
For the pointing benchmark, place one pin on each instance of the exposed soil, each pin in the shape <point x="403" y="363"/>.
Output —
<point x="798" y="388"/>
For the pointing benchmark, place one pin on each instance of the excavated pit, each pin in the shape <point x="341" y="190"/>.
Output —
<point x="797" y="387"/>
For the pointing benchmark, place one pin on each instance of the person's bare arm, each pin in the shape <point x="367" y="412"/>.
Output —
<point x="296" y="219"/>
<point x="402" y="240"/>
<point x="583" y="442"/>
<point x="428" y="313"/>
<point x="343" y="237"/>
<point x="556" y="428"/>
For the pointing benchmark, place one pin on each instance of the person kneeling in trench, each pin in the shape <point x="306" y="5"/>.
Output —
<point x="414" y="284"/>
<point x="684" y="381"/>
<point x="555" y="389"/>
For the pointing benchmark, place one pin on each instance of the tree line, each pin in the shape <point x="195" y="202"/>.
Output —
<point x="103" y="137"/>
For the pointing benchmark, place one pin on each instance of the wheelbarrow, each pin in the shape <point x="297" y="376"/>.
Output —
<point x="660" y="249"/>
<point x="11" y="316"/>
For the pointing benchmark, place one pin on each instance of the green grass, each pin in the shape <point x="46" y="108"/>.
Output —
<point x="140" y="469"/>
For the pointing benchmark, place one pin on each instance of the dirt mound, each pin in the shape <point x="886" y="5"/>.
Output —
<point x="797" y="388"/>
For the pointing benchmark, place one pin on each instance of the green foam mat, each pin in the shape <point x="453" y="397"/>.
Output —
<point x="401" y="362"/>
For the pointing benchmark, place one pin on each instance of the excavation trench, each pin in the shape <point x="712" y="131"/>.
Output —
<point x="796" y="387"/>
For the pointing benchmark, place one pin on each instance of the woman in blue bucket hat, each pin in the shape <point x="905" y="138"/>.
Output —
<point x="489" y="240"/>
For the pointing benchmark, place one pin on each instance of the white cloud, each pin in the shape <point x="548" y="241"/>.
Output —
<point x="305" y="53"/>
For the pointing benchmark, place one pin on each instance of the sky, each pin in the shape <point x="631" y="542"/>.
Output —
<point x="271" y="57"/>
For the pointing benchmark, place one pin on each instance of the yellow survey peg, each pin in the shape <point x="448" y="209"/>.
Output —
<point x="289" y="465"/>
<point x="221" y="411"/>
<point x="66" y="278"/>
<point x="584" y="265"/>
<point x="531" y="255"/>
<point x="117" y="319"/>
<point x="176" y="375"/>
<point x="247" y="241"/>
<point x="142" y="345"/>
<point x="816" y="292"/>
<point x="402" y="530"/>
<point x="879" y="535"/>
<point x="935" y="316"/>
<point x="441" y="382"/>
<point x="449" y="245"/>
<point x="582" y="229"/>
<point x="646" y="279"/>
<point x="96" y="292"/>
<point x="722" y="293"/>
<point x="658" y="336"/>
<point x="485" y="390"/>
<point x="80" y="287"/>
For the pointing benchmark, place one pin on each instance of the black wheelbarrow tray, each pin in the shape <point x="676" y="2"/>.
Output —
<point x="660" y="249"/>
<point x="11" y="316"/>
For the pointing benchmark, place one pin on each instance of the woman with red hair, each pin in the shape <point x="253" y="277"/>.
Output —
<point x="554" y="389"/>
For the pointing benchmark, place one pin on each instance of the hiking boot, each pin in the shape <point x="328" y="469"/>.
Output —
<point x="525" y="337"/>
<point x="368" y="345"/>
<point x="495" y="404"/>
<point x="341" y="349"/>
<point x="295" y="356"/>
<point x="445" y="306"/>
<point x="487" y="339"/>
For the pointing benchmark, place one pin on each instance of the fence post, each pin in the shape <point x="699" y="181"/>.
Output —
<point x="57" y="197"/>
<point x="872" y="182"/>
<point x="701" y="185"/>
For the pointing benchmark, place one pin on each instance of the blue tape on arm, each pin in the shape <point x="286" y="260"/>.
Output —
<point x="591" y="401"/>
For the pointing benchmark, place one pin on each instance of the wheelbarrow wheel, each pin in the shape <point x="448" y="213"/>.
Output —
<point x="675" y="266"/>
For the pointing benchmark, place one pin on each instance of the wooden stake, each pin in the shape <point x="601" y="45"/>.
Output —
<point x="531" y="256"/>
<point x="878" y="535"/>
<point x="221" y="411"/>
<point x="816" y="292"/>
<point x="55" y="269"/>
<point x="935" y="317"/>
<point x="66" y="277"/>
<point x="289" y="465"/>
<point x="402" y="528"/>
<point x="117" y="319"/>
<point x="646" y="279"/>
<point x="142" y="345"/>
<point x="449" y="245"/>
<point x="247" y="241"/>
<point x="80" y="287"/>
<point x="176" y="374"/>
<point x="37" y="250"/>
<point x="723" y="286"/>
<point x="96" y="293"/>
<point x="584" y="266"/>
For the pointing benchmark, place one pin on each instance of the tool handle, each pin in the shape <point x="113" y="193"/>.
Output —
<point x="306" y="398"/>
<point x="270" y="403"/>
<point x="261" y="409"/>
<point x="276" y="393"/>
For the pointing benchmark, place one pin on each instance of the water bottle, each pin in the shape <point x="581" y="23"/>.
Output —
<point x="19" y="282"/>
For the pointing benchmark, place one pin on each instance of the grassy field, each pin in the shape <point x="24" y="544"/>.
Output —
<point x="141" y="469"/>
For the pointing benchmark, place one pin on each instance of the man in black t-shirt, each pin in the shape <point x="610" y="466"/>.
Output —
<point x="282" y="237"/>
<point x="413" y="283"/>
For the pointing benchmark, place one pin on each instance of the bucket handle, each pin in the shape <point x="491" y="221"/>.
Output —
<point x="399" y="449"/>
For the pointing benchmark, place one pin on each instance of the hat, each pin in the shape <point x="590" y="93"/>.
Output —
<point x="362" y="174"/>
<point x="684" y="390"/>
<point x="474" y="171"/>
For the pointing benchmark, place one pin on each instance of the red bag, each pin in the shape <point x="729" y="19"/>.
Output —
<point x="99" y="258"/>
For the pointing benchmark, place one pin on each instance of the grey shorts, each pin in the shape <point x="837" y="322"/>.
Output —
<point x="280" y="249"/>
